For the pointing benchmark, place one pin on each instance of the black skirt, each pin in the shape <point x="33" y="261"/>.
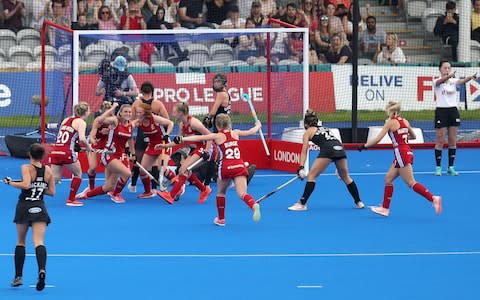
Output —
<point x="332" y="150"/>
<point x="29" y="212"/>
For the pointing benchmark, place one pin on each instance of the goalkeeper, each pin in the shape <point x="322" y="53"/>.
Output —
<point x="116" y="84"/>
<point x="331" y="150"/>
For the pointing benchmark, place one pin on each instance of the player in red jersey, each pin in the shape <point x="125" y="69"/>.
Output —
<point x="72" y="130"/>
<point x="119" y="135"/>
<point x="152" y="127"/>
<point x="190" y="125"/>
<point x="400" y="132"/>
<point x="98" y="139"/>
<point x="231" y="165"/>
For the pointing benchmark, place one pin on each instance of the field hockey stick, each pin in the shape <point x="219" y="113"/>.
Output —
<point x="189" y="168"/>
<point x="277" y="189"/>
<point x="146" y="172"/>
<point x="162" y="169"/>
<point x="246" y="97"/>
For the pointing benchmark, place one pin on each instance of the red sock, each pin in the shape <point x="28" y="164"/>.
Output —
<point x="194" y="179"/>
<point x="119" y="187"/>
<point x="221" y="207"/>
<point x="169" y="174"/>
<point x="95" y="192"/>
<point x="419" y="188"/>
<point x="387" y="196"/>
<point x="76" y="182"/>
<point x="178" y="185"/>
<point x="248" y="200"/>
<point x="147" y="185"/>
<point x="91" y="180"/>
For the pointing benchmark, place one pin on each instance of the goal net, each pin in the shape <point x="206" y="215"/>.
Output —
<point x="268" y="64"/>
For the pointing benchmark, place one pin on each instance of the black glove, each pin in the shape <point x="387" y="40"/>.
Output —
<point x="7" y="180"/>
<point x="133" y="158"/>
<point x="166" y="138"/>
<point x="77" y="147"/>
<point x="207" y="121"/>
<point x="362" y="147"/>
<point x="205" y="155"/>
<point x="178" y="139"/>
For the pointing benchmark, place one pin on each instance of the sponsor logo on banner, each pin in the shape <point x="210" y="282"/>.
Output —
<point x="286" y="155"/>
<point x="377" y="85"/>
<point x="5" y="95"/>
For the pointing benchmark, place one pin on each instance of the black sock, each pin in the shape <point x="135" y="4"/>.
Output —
<point x="19" y="260"/>
<point x="309" y="187"/>
<point x="451" y="156"/>
<point x="41" y="253"/>
<point x="352" y="188"/>
<point x="438" y="157"/>
<point x="135" y="174"/>
<point x="209" y="172"/>
<point x="155" y="173"/>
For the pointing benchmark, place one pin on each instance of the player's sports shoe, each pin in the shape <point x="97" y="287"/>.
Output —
<point x="165" y="195"/>
<point x="298" y="207"/>
<point x="204" y="195"/>
<point x="146" y="195"/>
<point x="256" y="212"/>
<point x="180" y="193"/>
<point x="83" y="194"/>
<point x="380" y="210"/>
<point x="219" y="222"/>
<point x="437" y="204"/>
<point x="17" y="281"/>
<point x="41" y="280"/>
<point x="451" y="171"/>
<point x="438" y="171"/>
<point x="74" y="203"/>
<point x="359" y="204"/>
<point x="132" y="188"/>
<point x="117" y="198"/>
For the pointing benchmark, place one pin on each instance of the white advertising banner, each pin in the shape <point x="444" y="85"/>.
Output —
<point x="412" y="86"/>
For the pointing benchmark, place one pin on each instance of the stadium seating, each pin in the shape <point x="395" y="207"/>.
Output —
<point x="198" y="53"/>
<point x="221" y="52"/>
<point x="8" y="39"/>
<point x="29" y="38"/>
<point x="20" y="54"/>
<point x="50" y="53"/>
<point x="95" y="52"/>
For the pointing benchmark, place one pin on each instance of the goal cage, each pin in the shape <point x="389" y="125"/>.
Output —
<point x="270" y="65"/>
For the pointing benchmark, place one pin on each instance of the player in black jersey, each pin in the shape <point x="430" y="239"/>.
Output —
<point x="331" y="150"/>
<point x="141" y="141"/>
<point x="37" y="180"/>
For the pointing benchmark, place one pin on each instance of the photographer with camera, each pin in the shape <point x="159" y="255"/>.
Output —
<point x="447" y="28"/>
<point x="116" y="84"/>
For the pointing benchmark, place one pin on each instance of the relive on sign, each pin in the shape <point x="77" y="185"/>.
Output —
<point x="380" y="80"/>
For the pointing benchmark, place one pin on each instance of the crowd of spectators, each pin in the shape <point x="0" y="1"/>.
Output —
<point x="329" y="22"/>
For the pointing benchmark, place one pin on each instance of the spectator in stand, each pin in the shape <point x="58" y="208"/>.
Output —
<point x="92" y="7"/>
<point x="335" y="3"/>
<point x="158" y="22"/>
<point x="339" y="53"/>
<point x="293" y="17"/>
<point x="476" y="21"/>
<point x="244" y="7"/>
<point x="170" y="7"/>
<point x="335" y="23"/>
<point x="14" y="11"/>
<point x="279" y="44"/>
<point x="40" y="10"/>
<point x="322" y="38"/>
<point x="371" y="38"/>
<point x="251" y="46"/>
<point x="296" y="47"/>
<point x="82" y="24"/>
<point x="269" y="8"/>
<point x="308" y="12"/>
<point x="447" y="28"/>
<point x="133" y="19"/>
<point x="347" y="22"/>
<point x="57" y="14"/>
<point x="234" y="20"/>
<point x="390" y="53"/>
<point x="2" y="16"/>
<point x="117" y="6"/>
<point x="191" y="14"/>
<point x="106" y="18"/>
<point x="217" y="11"/>
<point x="256" y="14"/>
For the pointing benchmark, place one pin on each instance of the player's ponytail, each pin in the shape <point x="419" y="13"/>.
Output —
<point x="106" y="105"/>
<point x="393" y="108"/>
